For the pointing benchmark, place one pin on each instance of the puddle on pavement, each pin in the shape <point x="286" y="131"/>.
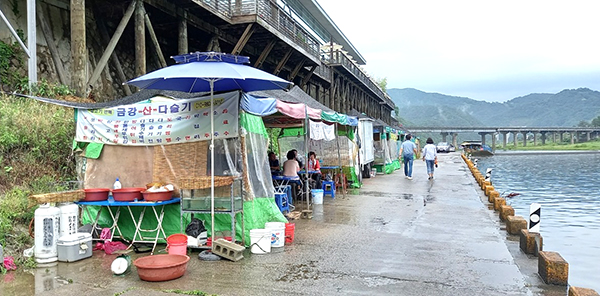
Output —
<point x="379" y="221"/>
<point x="406" y="196"/>
<point x="378" y="281"/>
<point x="304" y="271"/>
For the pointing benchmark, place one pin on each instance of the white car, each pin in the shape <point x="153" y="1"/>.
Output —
<point x="443" y="147"/>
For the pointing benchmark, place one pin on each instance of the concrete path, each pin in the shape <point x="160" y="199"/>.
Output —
<point x="392" y="237"/>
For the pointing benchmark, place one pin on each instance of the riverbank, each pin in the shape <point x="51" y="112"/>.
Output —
<point x="536" y="152"/>
<point x="393" y="236"/>
<point x="551" y="146"/>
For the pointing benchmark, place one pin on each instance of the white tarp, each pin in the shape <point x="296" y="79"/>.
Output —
<point x="160" y="123"/>
<point x="321" y="131"/>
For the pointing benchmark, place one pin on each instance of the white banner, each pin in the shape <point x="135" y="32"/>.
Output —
<point x="160" y="123"/>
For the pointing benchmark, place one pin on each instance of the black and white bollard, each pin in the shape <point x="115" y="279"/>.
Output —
<point x="535" y="211"/>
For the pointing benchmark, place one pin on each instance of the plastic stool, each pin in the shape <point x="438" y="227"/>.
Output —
<point x="329" y="188"/>
<point x="287" y="189"/>
<point x="281" y="200"/>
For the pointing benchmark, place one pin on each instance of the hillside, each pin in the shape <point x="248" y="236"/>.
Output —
<point x="566" y="108"/>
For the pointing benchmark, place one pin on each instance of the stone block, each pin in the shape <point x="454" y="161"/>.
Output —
<point x="514" y="224"/>
<point x="577" y="291"/>
<point x="488" y="189"/>
<point x="498" y="202"/>
<point x="506" y="211"/>
<point x="485" y="183"/>
<point x="553" y="268"/>
<point x="493" y="196"/>
<point x="228" y="250"/>
<point x="531" y="242"/>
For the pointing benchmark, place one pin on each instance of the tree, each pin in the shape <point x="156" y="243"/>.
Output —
<point x="596" y="121"/>
<point x="583" y="123"/>
<point x="382" y="83"/>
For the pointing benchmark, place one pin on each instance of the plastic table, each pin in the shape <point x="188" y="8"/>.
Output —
<point x="137" y="222"/>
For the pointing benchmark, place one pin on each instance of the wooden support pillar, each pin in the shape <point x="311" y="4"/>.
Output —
<point x="182" y="43"/>
<point x="263" y="55"/>
<point x="213" y="44"/>
<point x="161" y="57"/>
<point x="58" y="64"/>
<point x="294" y="72"/>
<point x="307" y="78"/>
<point x="140" y="40"/>
<point x="114" y="58"/>
<point x="243" y="39"/>
<point x="282" y="62"/>
<point x="112" y="44"/>
<point x="78" y="48"/>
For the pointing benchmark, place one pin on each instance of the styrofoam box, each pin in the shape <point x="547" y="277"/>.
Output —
<point x="74" y="247"/>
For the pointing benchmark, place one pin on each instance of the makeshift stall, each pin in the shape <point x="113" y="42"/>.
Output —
<point x="163" y="136"/>
<point x="383" y="159"/>
<point x="394" y="148"/>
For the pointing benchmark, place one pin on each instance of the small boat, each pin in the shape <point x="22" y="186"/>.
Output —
<point x="476" y="148"/>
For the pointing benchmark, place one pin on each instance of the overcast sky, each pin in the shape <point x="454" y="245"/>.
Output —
<point x="484" y="50"/>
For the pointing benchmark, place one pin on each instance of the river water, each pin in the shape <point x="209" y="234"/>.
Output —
<point x="567" y="185"/>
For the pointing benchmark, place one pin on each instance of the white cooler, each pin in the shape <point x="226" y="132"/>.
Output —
<point x="74" y="247"/>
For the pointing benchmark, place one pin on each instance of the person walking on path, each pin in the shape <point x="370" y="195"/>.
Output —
<point x="408" y="151"/>
<point x="430" y="157"/>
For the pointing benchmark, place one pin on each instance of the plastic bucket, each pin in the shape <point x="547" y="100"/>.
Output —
<point x="260" y="241"/>
<point x="289" y="232"/>
<point x="317" y="196"/>
<point x="277" y="233"/>
<point x="177" y="244"/>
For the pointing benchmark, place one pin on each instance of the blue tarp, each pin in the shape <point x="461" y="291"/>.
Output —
<point x="258" y="106"/>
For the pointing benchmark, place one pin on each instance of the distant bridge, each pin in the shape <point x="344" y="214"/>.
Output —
<point x="577" y="133"/>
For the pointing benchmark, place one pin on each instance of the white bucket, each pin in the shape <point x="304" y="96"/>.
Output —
<point x="317" y="196"/>
<point x="260" y="241"/>
<point x="277" y="233"/>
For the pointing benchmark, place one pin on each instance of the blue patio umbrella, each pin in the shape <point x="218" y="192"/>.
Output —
<point x="210" y="72"/>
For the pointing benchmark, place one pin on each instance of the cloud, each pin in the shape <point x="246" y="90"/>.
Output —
<point x="495" y="50"/>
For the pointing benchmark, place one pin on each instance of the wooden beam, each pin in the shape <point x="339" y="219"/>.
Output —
<point x="113" y="43"/>
<point x="308" y="75"/>
<point x="58" y="64"/>
<point x="161" y="57"/>
<point x="140" y="40"/>
<point x="263" y="55"/>
<point x="282" y="62"/>
<point x="243" y="39"/>
<point x="105" y="40"/>
<point x="182" y="45"/>
<point x="78" y="48"/>
<point x="294" y="72"/>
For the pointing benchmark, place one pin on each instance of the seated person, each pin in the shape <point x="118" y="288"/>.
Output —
<point x="291" y="166"/>
<point x="291" y="169"/>
<point x="298" y="159"/>
<point x="274" y="164"/>
<point x="314" y="168"/>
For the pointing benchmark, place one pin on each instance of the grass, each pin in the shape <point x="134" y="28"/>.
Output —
<point x="35" y="157"/>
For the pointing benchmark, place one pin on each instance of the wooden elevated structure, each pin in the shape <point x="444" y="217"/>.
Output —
<point x="113" y="41"/>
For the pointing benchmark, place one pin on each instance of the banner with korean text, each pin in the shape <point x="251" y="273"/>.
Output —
<point x="160" y="122"/>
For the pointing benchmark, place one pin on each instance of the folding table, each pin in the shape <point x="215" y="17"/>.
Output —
<point x="137" y="222"/>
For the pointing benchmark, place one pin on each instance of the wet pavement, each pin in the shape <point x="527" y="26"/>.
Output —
<point x="392" y="237"/>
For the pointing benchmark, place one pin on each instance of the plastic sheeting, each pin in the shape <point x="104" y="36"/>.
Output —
<point x="298" y="111"/>
<point x="244" y="157"/>
<point x="258" y="106"/>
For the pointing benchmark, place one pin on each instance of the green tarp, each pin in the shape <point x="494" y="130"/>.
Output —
<point x="257" y="212"/>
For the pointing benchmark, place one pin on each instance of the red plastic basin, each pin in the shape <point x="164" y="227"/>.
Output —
<point x="127" y="194"/>
<point x="163" y="267"/>
<point x="157" y="196"/>
<point x="96" y="194"/>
